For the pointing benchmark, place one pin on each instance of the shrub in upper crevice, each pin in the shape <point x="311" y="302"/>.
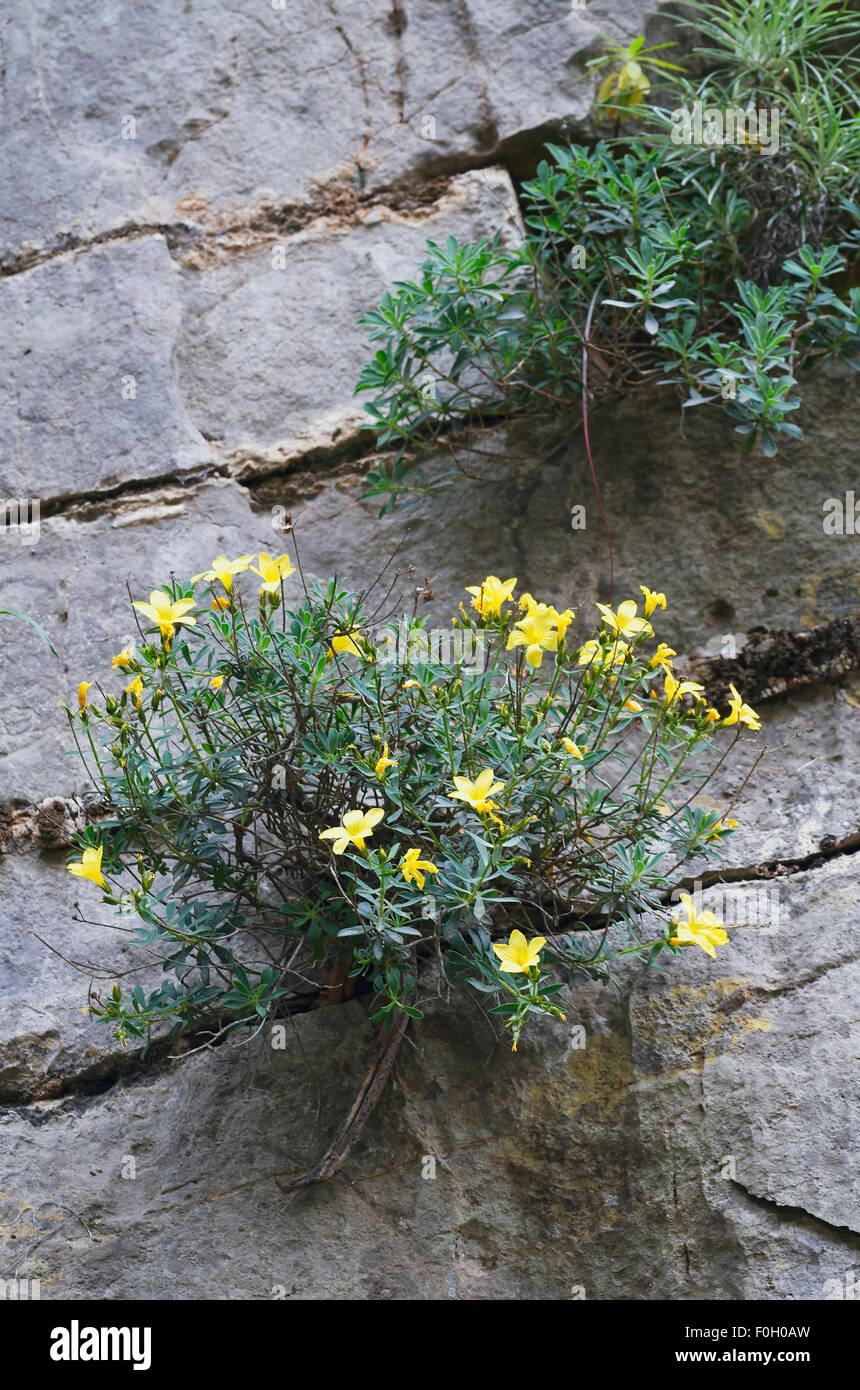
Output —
<point x="718" y="271"/>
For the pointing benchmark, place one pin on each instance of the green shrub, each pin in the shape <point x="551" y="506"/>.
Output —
<point x="284" y="788"/>
<point x="718" y="272"/>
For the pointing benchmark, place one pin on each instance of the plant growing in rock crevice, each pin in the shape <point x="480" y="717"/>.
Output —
<point x="719" y="271"/>
<point x="300" y="795"/>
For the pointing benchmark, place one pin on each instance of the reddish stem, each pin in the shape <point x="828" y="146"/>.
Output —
<point x="588" y="441"/>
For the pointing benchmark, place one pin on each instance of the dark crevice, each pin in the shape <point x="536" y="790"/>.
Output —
<point x="71" y="241"/>
<point x="798" y="1216"/>
<point x="765" y="869"/>
<point x="781" y="867"/>
<point x="303" y="477"/>
<point x="264" y="482"/>
<point x="90" y="504"/>
<point x="341" y="201"/>
<point x="776" y="662"/>
<point x="163" y="1056"/>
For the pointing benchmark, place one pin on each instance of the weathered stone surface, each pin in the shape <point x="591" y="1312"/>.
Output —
<point x="45" y="1037"/>
<point x="158" y="116"/>
<point x="701" y="1144"/>
<point x="126" y="364"/>
<point x="89" y="398"/>
<point x="806" y="787"/>
<point x="262" y="329"/>
<point x="562" y="1168"/>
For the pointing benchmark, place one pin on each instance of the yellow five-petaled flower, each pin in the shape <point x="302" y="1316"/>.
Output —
<point x="354" y="828"/>
<point x="741" y="713"/>
<point x="489" y="596"/>
<point x="663" y="657"/>
<point x="165" y="613"/>
<point x="346" y="643"/>
<point x="224" y="569"/>
<point x="518" y="956"/>
<point x="592" y="653"/>
<point x="720" y="828"/>
<point x="135" y="689"/>
<point x="90" y="866"/>
<point x="384" y="762"/>
<point x="411" y="866"/>
<point x="624" y="621"/>
<point x="477" y="794"/>
<point x="676" y="689"/>
<point x="272" y="571"/>
<point x="652" y="600"/>
<point x="537" y="632"/>
<point x="697" y="929"/>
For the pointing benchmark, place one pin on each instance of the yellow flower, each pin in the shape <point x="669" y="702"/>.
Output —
<point x="537" y="632"/>
<point x="652" y="601"/>
<point x="273" y="571"/>
<point x="546" y="610"/>
<point x="477" y="794"/>
<point x="741" y="713"/>
<point x="123" y="659"/>
<point x="663" y="657"/>
<point x="593" y="652"/>
<point x="719" y="828"/>
<point x="675" y="689"/>
<point x="629" y="84"/>
<point x="517" y="956"/>
<point x="216" y="682"/>
<point x="489" y="596"/>
<point x="136" y="689"/>
<point x="354" y="828"/>
<point x="82" y="694"/>
<point x="411" y="866"/>
<point x="220" y="602"/>
<point x="633" y="705"/>
<point x="697" y="930"/>
<point x="90" y="866"/>
<point x="348" y="642"/>
<point x="624" y="621"/>
<point x="224" y="569"/>
<point x="164" y="613"/>
<point x="573" y="748"/>
<point x="563" y="621"/>
<point x="409" y="685"/>
<point x="711" y="714"/>
<point x="384" y="762"/>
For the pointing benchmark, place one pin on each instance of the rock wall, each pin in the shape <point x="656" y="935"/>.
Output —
<point x="205" y="200"/>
